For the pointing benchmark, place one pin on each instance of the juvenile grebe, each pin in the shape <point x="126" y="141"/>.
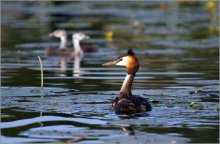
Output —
<point x="125" y="103"/>
<point x="63" y="50"/>
<point x="77" y="37"/>
<point x="62" y="35"/>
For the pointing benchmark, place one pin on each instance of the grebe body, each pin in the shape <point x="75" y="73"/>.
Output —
<point x="130" y="105"/>
<point x="89" y="48"/>
<point x="125" y="103"/>
<point x="65" y="52"/>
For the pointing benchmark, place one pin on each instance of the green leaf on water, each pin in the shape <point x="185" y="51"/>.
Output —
<point x="196" y="106"/>
<point x="191" y="104"/>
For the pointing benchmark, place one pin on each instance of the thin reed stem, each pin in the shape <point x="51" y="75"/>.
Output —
<point x="42" y="85"/>
<point x="42" y="74"/>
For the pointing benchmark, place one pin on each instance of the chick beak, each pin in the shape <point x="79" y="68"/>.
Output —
<point x="87" y="37"/>
<point x="50" y="34"/>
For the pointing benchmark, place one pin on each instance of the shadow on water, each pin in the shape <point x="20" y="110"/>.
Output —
<point x="177" y="46"/>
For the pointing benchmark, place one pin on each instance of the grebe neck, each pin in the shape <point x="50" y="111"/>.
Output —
<point x="126" y="86"/>
<point x="63" y="42"/>
<point x="77" y="47"/>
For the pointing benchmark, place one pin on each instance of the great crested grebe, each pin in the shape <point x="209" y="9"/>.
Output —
<point x="125" y="103"/>
<point x="63" y="50"/>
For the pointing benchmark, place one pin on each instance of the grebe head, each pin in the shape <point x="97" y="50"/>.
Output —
<point x="58" y="33"/>
<point x="80" y="36"/>
<point x="129" y="61"/>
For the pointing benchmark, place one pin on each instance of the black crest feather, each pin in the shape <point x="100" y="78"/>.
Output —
<point x="130" y="51"/>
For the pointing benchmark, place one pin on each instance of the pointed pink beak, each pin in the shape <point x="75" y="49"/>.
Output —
<point x="111" y="63"/>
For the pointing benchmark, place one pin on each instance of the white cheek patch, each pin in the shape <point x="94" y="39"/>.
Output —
<point x="123" y="62"/>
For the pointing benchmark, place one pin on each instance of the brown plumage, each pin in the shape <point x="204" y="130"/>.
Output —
<point x="64" y="52"/>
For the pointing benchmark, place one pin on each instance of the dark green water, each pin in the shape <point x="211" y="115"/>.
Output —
<point x="178" y="51"/>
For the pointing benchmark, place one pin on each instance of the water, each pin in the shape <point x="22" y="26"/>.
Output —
<point x="178" y="51"/>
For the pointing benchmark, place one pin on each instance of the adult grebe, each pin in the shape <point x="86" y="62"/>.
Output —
<point x="125" y="103"/>
<point x="63" y="50"/>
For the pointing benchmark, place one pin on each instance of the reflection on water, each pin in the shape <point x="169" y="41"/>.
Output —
<point x="76" y="66"/>
<point x="177" y="46"/>
<point x="63" y="61"/>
